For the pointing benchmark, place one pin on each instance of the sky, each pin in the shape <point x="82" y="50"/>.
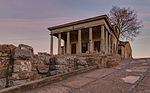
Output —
<point x="26" y="21"/>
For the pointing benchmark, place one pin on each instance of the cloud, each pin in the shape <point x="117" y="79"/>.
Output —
<point x="143" y="37"/>
<point x="32" y="9"/>
<point x="146" y="24"/>
<point x="32" y="24"/>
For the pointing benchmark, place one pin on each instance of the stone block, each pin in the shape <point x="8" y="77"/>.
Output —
<point x="18" y="82"/>
<point x="22" y="65"/>
<point x="20" y="76"/>
<point x="23" y="52"/>
<point x="82" y="62"/>
<point x="60" y="61"/>
<point x="57" y="67"/>
<point x="54" y="72"/>
<point x="2" y="83"/>
<point x="5" y="48"/>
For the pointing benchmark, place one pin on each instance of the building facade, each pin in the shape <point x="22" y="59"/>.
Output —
<point x="92" y="35"/>
<point x="124" y="49"/>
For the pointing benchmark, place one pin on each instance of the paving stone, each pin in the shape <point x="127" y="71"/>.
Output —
<point x="99" y="73"/>
<point x="118" y="76"/>
<point x="76" y="82"/>
<point x="81" y="91"/>
<point x="145" y="81"/>
<point x="141" y="89"/>
<point x="104" y="86"/>
<point x="52" y="89"/>
<point x="130" y="79"/>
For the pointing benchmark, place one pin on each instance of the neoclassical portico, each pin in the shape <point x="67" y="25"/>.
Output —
<point x="93" y="35"/>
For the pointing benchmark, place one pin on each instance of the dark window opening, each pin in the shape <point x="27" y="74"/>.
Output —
<point x="97" y="46"/>
<point x="84" y="47"/>
<point x="73" y="49"/>
<point x="119" y="51"/>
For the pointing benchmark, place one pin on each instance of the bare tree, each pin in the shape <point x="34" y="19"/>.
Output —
<point x="126" y="22"/>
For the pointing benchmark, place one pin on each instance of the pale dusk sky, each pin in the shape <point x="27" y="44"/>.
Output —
<point x="26" y="21"/>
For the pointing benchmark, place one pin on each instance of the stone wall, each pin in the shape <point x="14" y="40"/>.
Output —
<point x="25" y="66"/>
<point x="22" y="67"/>
<point x="5" y="63"/>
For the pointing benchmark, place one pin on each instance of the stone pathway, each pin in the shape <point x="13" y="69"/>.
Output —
<point x="130" y="76"/>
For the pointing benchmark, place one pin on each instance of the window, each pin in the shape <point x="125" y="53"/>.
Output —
<point x="97" y="46"/>
<point x="73" y="48"/>
<point x="84" y="47"/>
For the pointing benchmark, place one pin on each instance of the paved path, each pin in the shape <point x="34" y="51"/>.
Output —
<point x="130" y="76"/>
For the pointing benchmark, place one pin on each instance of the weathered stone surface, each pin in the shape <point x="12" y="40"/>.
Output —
<point x="2" y="83"/>
<point x="21" y="75"/>
<point x="58" y="67"/>
<point x="22" y="65"/>
<point x="6" y="49"/>
<point x="23" y="52"/>
<point x="21" y="69"/>
<point x="28" y="66"/>
<point x="18" y="82"/>
<point x="5" y="54"/>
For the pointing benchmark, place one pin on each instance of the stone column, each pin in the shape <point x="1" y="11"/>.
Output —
<point x="51" y="48"/>
<point x="59" y="43"/>
<point x="64" y="47"/>
<point x="68" y="42"/>
<point x="109" y="43"/>
<point x="79" y="41"/>
<point x="91" y="40"/>
<point x="102" y="40"/>
<point x="106" y="41"/>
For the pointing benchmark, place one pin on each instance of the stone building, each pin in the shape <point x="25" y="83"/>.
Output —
<point x="124" y="49"/>
<point x="92" y="35"/>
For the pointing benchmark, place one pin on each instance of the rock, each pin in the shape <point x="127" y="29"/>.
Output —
<point x="3" y="72"/>
<point x="5" y="53"/>
<point x="5" y="48"/>
<point x="20" y="76"/>
<point x="54" y="72"/>
<point x="18" y="82"/>
<point x="22" y="65"/>
<point x="57" y="67"/>
<point x="60" y="61"/>
<point x="2" y="83"/>
<point x="23" y="52"/>
<point x="81" y="62"/>
<point x="80" y="67"/>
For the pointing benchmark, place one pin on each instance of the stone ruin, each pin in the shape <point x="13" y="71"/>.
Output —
<point x="20" y="65"/>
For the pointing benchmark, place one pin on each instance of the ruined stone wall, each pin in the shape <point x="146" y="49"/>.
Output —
<point x="128" y="51"/>
<point x="25" y="66"/>
<point x="22" y="67"/>
<point x="5" y="63"/>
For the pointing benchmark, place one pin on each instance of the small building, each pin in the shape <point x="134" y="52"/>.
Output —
<point x="92" y="35"/>
<point x="125" y="49"/>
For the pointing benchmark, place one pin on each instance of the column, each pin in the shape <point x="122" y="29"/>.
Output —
<point x="109" y="43"/>
<point x="59" y="43"/>
<point x="51" y="45"/>
<point x="68" y="42"/>
<point x="91" y="40"/>
<point x="102" y="40"/>
<point x="79" y="41"/>
<point x="64" y="47"/>
<point x="106" y="42"/>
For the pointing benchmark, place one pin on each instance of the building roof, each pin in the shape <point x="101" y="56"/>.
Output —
<point x="105" y="17"/>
